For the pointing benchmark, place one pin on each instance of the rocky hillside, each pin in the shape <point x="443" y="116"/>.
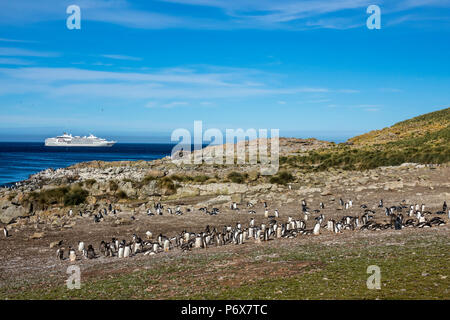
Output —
<point x="303" y="164"/>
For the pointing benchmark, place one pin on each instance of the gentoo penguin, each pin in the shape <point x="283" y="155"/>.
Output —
<point x="279" y="231"/>
<point x="5" y="232"/>
<point x="60" y="253"/>
<point x="330" y="225"/>
<point x="166" y="246"/>
<point x="198" y="241"/>
<point x="316" y="230"/>
<point x="72" y="254"/>
<point x="252" y="222"/>
<point x="90" y="252"/>
<point x="341" y="202"/>
<point x="120" y="252"/>
<point x="277" y="214"/>
<point x="444" y="206"/>
<point x="398" y="223"/>
<point x="127" y="251"/>
<point x="80" y="246"/>
<point x="266" y="213"/>
<point x="380" y="205"/>
<point x="322" y="206"/>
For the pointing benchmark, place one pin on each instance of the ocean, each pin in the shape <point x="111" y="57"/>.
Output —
<point x="18" y="160"/>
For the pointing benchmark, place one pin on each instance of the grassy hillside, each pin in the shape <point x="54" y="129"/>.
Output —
<point x="412" y="128"/>
<point x="424" y="139"/>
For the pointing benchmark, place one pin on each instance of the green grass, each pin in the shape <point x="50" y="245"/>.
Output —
<point x="412" y="267"/>
<point x="432" y="148"/>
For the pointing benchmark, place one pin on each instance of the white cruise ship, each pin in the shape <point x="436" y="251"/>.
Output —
<point x="67" y="140"/>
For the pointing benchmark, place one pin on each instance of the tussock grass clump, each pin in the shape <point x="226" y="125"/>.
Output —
<point x="62" y="195"/>
<point x="167" y="185"/>
<point x="282" y="177"/>
<point x="113" y="186"/>
<point x="75" y="196"/>
<point x="122" y="195"/>
<point x="237" y="177"/>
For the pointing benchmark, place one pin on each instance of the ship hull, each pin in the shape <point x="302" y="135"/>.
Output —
<point x="59" y="144"/>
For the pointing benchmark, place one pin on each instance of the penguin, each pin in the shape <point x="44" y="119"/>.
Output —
<point x="72" y="254"/>
<point x="444" y="206"/>
<point x="120" y="252"/>
<point x="277" y="214"/>
<point x="5" y="232"/>
<point x="266" y="213"/>
<point x="198" y="241"/>
<point x="322" y="206"/>
<point x="316" y="230"/>
<point x="127" y="251"/>
<point x="102" y="247"/>
<point x="341" y="202"/>
<point x="252" y="222"/>
<point x="166" y="245"/>
<point x="381" y="205"/>
<point x="149" y="235"/>
<point x="60" y="253"/>
<point x="398" y="223"/>
<point x="90" y="252"/>
<point x="80" y="246"/>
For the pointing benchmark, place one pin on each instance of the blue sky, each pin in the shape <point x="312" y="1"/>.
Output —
<point x="144" y="68"/>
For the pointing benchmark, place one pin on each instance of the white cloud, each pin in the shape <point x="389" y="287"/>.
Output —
<point x="203" y="84"/>
<point x="120" y="57"/>
<point x="262" y="14"/>
<point x="14" y="61"/>
<point x="18" y="52"/>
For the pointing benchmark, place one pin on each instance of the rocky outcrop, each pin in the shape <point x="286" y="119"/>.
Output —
<point x="9" y="211"/>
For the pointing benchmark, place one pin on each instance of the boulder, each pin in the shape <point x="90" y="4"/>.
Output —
<point x="37" y="235"/>
<point x="9" y="212"/>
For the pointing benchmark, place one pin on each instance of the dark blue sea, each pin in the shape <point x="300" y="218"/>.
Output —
<point x="18" y="160"/>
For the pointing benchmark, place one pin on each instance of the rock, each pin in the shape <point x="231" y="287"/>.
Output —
<point x="393" y="185"/>
<point x="54" y="244"/>
<point x="37" y="235"/>
<point x="155" y="173"/>
<point x="9" y="212"/>
<point x="238" y="198"/>
<point x="326" y="192"/>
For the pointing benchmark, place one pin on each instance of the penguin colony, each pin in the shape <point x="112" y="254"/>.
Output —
<point x="400" y="216"/>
